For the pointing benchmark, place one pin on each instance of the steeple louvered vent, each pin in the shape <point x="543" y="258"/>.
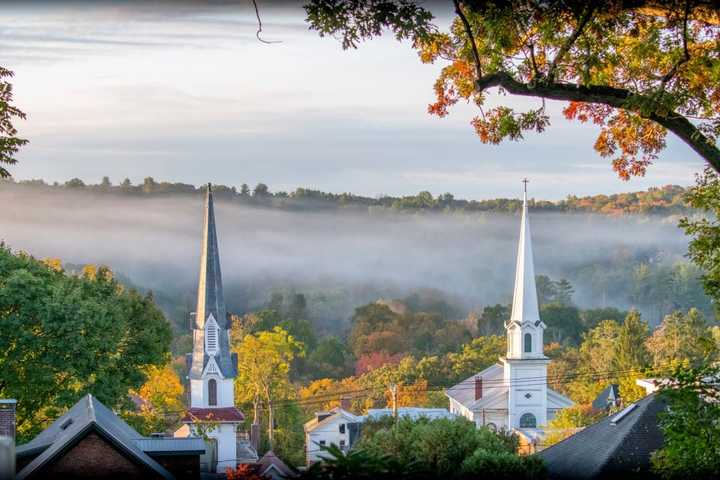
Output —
<point x="211" y="336"/>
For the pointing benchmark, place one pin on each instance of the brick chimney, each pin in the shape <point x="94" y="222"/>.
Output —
<point x="478" y="388"/>
<point x="345" y="403"/>
<point x="7" y="418"/>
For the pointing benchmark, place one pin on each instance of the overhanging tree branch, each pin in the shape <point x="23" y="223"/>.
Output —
<point x="471" y="37"/>
<point x="613" y="97"/>
<point x="582" y="22"/>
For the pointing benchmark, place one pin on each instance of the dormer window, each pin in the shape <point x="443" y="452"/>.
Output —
<point x="212" y="332"/>
<point x="528" y="343"/>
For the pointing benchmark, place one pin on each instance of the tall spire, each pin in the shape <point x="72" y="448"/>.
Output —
<point x="210" y="291"/>
<point x="525" y="302"/>
<point x="211" y="302"/>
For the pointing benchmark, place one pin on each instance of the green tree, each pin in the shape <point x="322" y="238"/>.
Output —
<point x="261" y="190"/>
<point x="244" y="190"/>
<point x="492" y="320"/>
<point x="477" y="355"/>
<point x="546" y="289"/>
<point x="564" y="292"/>
<point x="636" y="69"/>
<point x="264" y="361"/>
<point x="10" y="143"/>
<point x="74" y="183"/>
<point x="159" y="401"/>
<point x="329" y="359"/>
<point x="681" y="338"/>
<point x="631" y="355"/>
<point x="704" y="248"/>
<point x="592" y="317"/>
<point x="691" y="431"/>
<point x="563" y="323"/>
<point x="63" y="336"/>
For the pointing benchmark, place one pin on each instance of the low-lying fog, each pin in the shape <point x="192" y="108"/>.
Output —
<point x="356" y="256"/>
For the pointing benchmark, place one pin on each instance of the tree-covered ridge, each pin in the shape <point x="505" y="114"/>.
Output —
<point x="665" y="200"/>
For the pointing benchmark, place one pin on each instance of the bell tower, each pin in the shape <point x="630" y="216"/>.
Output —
<point x="525" y="363"/>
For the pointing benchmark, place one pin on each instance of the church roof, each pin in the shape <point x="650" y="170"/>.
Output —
<point x="525" y="302"/>
<point x="222" y="414"/>
<point x="210" y="301"/>
<point x="609" y="395"/>
<point x="620" y="443"/>
<point x="88" y="414"/>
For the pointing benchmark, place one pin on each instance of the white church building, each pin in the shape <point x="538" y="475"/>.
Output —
<point x="513" y="394"/>
<point x="212" y="366"/>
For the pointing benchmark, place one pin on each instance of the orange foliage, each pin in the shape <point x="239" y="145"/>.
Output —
<point x="244" y="472"/>
<point x="374" y="360"/>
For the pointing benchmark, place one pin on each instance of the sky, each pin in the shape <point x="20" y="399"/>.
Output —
<point x="184" y="92"/>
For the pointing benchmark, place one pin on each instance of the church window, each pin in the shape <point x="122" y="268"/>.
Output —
<point x="492" y="427"/>
<point x="528" y="421"/>
<point x="342" y="428"/>
<point x="212" y="392"/>
<point x="528" y="343"/>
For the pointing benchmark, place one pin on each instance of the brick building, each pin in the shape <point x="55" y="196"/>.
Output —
<point x="90" y="441"/>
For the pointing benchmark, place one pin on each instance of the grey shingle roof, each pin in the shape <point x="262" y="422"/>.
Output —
<point x="211" y="301"/>
<point x="619" y="444"/>
<point x="89" y="414"/>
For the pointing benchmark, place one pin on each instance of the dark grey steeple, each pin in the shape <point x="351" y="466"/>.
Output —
<point x="210" y="292"/>
<point x="211" y="303"/>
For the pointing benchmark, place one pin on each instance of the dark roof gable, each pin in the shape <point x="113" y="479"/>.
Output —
<point x="87" y="415"/>
<point x="617" y="444"/>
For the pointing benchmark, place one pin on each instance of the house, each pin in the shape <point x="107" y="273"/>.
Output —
<point x="608" y="398"/>
<point x="342" y="428"/>
<point x="272" y="467"/>
<point x="413" y="413"/>
<point x="616" y="446"/>
<point x="337" y="426"/>
<point x="90" y="441"/>
<point x="513" y="394"/>
<point x="212" y="366"/>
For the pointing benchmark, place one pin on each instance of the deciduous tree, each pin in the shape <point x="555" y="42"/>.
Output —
<point x="637" y="69"/>
<point x="63" y="336"/>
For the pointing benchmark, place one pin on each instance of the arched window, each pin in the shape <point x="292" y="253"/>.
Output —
<point x="528" y="343"/>
<point x="528" y="421"/>
<point x="212" y="392"/>
<point x="492" y="427"/>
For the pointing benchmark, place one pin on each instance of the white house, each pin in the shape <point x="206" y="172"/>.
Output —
<point x="342" y="428"/>
<point x="513" y="394"/>
<point x="337" y="426"/>
<point x="212" y="366"/>
<point x="413" y="413"/>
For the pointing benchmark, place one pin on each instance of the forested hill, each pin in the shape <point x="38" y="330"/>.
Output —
<point x="666" y="200"/>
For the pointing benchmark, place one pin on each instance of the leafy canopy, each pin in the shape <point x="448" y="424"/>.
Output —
<point x="637" y="69"/>
<point x="63" y="336"/>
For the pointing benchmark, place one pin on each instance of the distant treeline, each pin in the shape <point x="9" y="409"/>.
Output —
<point x="666" y="200"/>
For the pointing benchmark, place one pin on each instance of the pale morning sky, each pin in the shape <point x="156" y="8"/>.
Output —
<point x="184" y="92"/>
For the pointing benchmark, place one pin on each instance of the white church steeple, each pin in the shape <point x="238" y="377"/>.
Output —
<point x="525" y="329"/>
